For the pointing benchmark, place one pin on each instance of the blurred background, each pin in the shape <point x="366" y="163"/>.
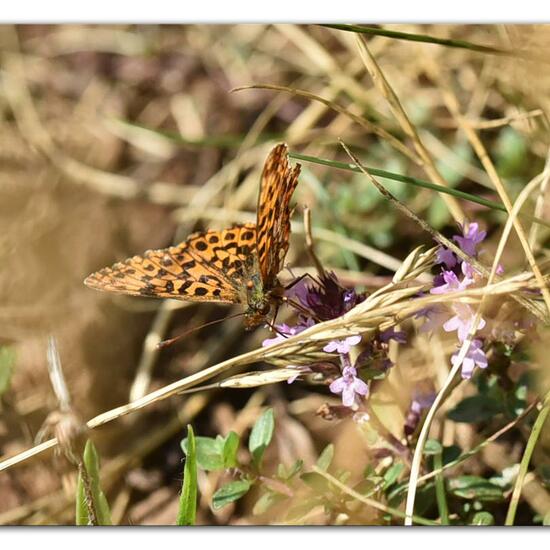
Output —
<point x="118" y="139"/>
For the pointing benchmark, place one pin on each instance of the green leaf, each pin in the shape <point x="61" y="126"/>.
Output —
<point x="188" y="500"/>
<point x="89" y="495"/>
<point x="450" y="453"/>
<point x="477" y="408"/>
<point x="295" y="468"/>
<point x="7" y="362"/>
<point x="325" y="459"/>
<point x="230" y="448"/>
<point x="316" y="481"/>
<point x="261" y="435"/>
<point x="230" y="493"/>
<point x="474" y="487"/>
<point x="433" y="447"/>
<point x="483" y="518"/>
<point x="266" y="501"/>
<point x="209" y="452"/>
<point x="391" y="475"/>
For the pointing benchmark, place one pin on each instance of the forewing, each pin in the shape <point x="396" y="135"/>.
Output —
<point x="277" y="185"/>
<point x="207" y="267"/>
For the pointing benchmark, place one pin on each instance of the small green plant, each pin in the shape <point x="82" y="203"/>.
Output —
<point x="188" y="500"/>
<point x="92" y="507"/>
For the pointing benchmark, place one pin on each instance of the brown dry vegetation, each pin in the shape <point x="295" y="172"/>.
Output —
<point x="81" y="188"/>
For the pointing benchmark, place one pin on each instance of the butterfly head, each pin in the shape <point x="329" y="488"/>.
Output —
<point x="259" y="304"/>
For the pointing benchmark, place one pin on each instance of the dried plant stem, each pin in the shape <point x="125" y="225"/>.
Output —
<point x="397" y="109"/>
<point x="151" y="351"/>
<point x="423" y="436"/>
<point x="504" y="121"/>
<point x="526" y="458"/>
<point x="539" y="206"/>
<point x="310" y="245"/>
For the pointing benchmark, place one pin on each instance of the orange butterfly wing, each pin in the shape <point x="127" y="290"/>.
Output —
<point x="217" y="266"/>
<point x="209" y="266"/>
<point x="273" y="214"/>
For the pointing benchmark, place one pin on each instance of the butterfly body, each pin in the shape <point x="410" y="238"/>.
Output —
<point x="235" y="265"/>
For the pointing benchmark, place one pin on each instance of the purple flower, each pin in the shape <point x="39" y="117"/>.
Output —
<point x="350" y="386"/>
<point x="475" y="357"/>
<point x="391" y="334"/>
<point x="463" y="320"/>
<point x="299" y="371"/>
<point x="472" y="237"/>
<point x="286" y="331"/>
<point x="435" y="316"/>
<point x="327" y="299"/>
<point x="420" y="402"/>
<point x="468" y="271"/>
<point x="445" y="256"/>
<point x="451" y="283"/>
<point x="342" y="346"/>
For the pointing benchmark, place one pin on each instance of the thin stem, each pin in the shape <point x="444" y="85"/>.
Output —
<point x="440" y="490"/>
<point x="417" y="457"/>
<point x="526" y="458"/>
<point x="368" y="501"/>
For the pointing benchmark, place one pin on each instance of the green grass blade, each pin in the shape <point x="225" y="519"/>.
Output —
<point x="91" y="505"/>
<point x="414" y="181"/>
<point x="440" y="490"/>
<point x="462" y="44"/>
<point x="224" y="141"/>
<point x="188" y="500"/>
<point x="526" y="458"/>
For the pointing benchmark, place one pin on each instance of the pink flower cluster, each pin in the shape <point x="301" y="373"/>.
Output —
<point x="455" y="276"/>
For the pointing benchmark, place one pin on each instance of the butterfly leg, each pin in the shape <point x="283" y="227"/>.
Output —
<point x="300" y="278"/>
<point x="272" y="325"/>
<point x="300" y="308"/>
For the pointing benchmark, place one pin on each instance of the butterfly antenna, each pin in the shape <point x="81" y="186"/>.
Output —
<point x="166" y="343"/>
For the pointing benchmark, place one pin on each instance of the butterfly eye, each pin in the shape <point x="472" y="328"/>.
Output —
<point x="250" y="285"/>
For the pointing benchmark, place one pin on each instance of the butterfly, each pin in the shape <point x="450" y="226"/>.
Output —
<point x="238" y="265"/>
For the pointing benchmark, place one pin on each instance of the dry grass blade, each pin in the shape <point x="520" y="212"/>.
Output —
<point x="395" y="105"/>
<point x="368" y="126"/>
